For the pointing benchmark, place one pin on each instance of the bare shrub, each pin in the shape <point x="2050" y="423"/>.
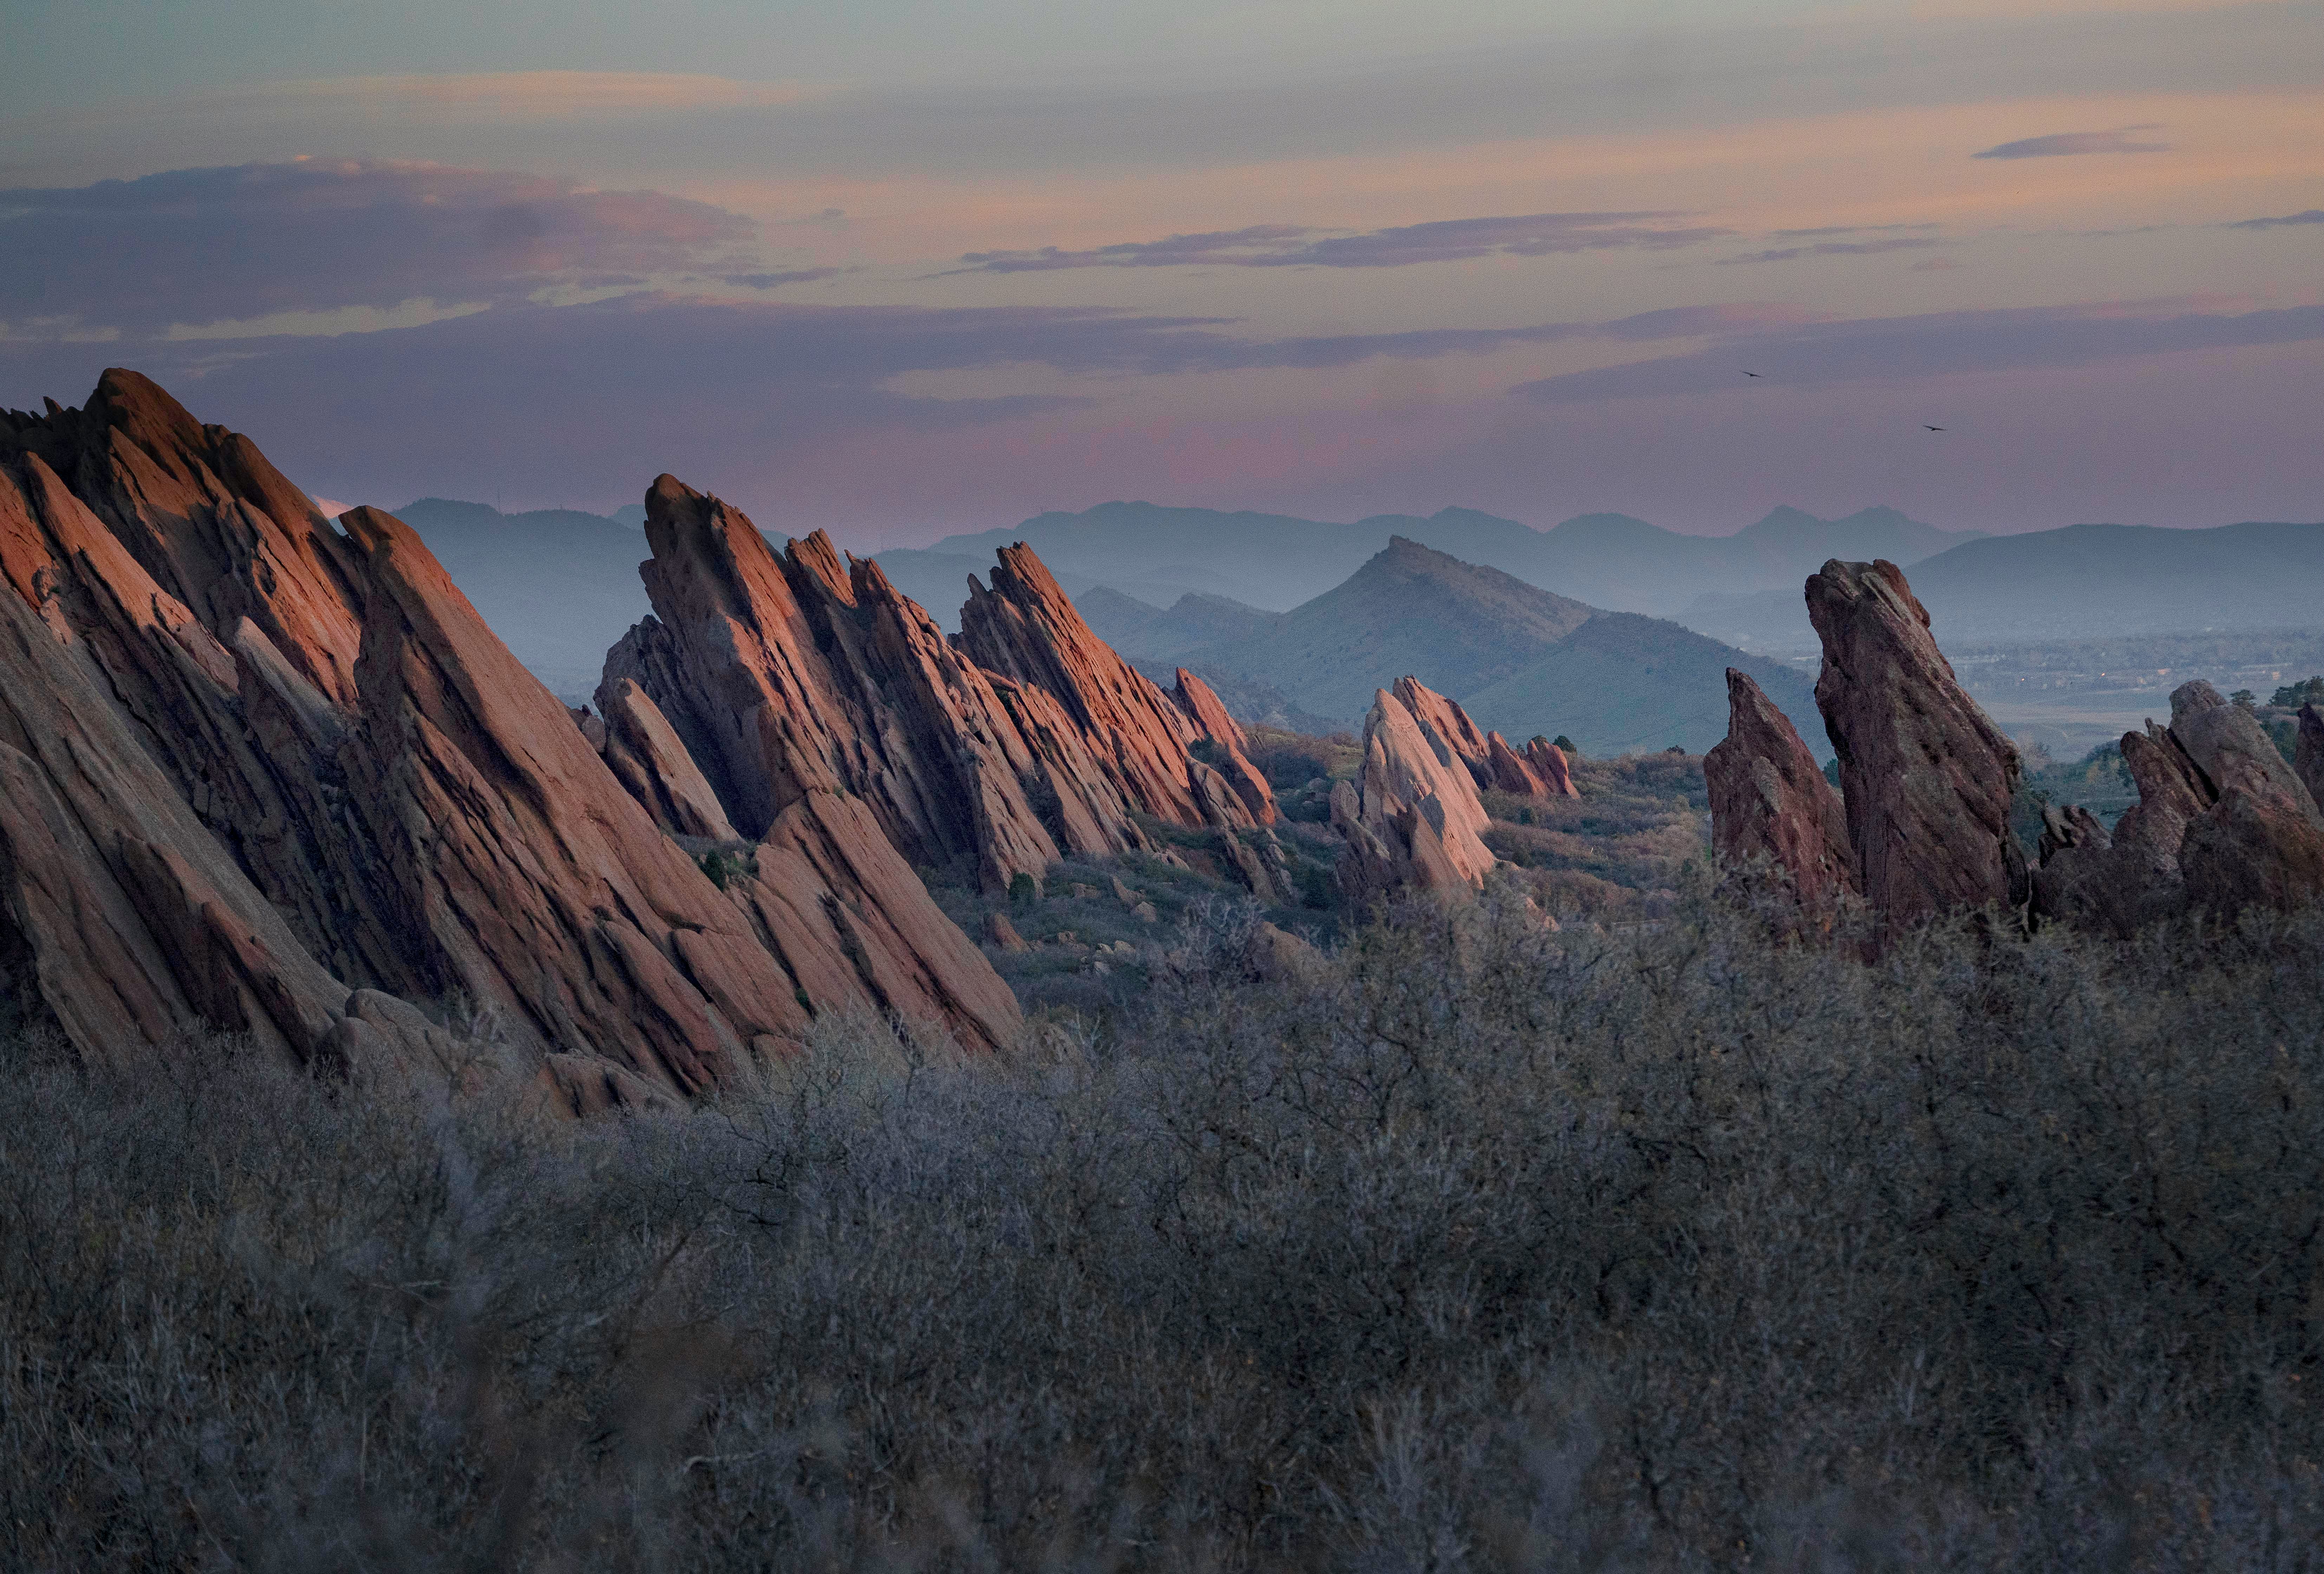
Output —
<point x="1479" y="1247"/>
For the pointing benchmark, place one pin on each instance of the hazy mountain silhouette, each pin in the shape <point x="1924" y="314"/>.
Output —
<point x="558" y="585"/>
<point x="2081" y="582"/>
<point x="1191" y="623"/>
<point x="1525" y="661"/>
<point x="1456" y="626"/>
<point x="1278" y="562"/>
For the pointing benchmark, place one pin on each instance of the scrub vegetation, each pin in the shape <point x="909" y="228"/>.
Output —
<point x="1473" y="1246"/>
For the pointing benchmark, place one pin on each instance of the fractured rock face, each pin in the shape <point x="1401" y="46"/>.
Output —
<point x="1925" y="778"/>
<point x="1769" y="799"/>
<point x="1026" y="740"/>
<point x="1025" y="627"/>
<point x="1415" y="823"/>
<point x="785" y="674"/>
<point x="2261" y="841"/>
<point x="1228" y="745"/>
<point x="317" y="769"/>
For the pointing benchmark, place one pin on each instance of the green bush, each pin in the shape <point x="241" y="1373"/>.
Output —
<point x="2295" y="695"/>
<point x="1477" y="1246"/>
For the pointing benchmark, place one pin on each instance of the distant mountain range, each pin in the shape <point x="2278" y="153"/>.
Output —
<point x="2080" y="582"/>
<point x="558" y="585"/>
<point x="1276" y="562"/>
<point x="1522" y="660"/>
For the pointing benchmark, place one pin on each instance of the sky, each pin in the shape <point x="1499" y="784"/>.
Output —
<point x="899" y="268"/>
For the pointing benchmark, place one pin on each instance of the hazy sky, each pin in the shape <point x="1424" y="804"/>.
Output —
<point x="901" y="267"/>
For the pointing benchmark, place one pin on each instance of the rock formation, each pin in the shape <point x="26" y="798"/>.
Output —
<point x="1925" y="778"/>
<point x="1550" y="764"/>
<point x="1228" y="745"/>
<point x="1029" y="739"/>
<point x="2222" y="823"/>
<point x="1414" y="821"/>
<point x="1769" y="799"/>
<point x="1025" y="629"/>
<point x="2260" y="840"/>
<point x="267" y="775"/>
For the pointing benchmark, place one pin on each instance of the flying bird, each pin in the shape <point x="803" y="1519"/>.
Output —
<point x="1753" y="374"/>
<point x="1933" y="429"/>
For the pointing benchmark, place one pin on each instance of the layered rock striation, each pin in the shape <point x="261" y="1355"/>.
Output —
<point x="275" y="776"/>
<point x="784" y="673"/>
<point x="1413" y="820"/>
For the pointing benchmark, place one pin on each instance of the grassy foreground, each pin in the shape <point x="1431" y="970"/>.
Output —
<point x="1479" y="1248"/>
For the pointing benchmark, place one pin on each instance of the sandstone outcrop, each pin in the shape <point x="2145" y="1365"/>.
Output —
<point x="1413" y="822"/>
<point x="1025" y="629"/>
<point x="1927" y="779"/>
<point x="268" y="775"/>
<point x="2221" y="824"/>
<point x="1540" y="773"/>
<point x="2260" y="840"/>
<point x="1228" y="745"/>
<point x="1025" y="741"/>
<point x="1769" y="799"/>
<point x="1549" y="763"/>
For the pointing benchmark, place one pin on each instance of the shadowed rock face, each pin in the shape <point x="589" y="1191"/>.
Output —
<point x="317" y="769"/>
<point x="1415" y="823"/>
<point x="2260" y="842"/>
<point x="1926" y="778"/>
<point x="1769" y="799"/>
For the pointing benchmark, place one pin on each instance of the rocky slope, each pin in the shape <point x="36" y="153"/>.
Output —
<point x="281" y="777"/>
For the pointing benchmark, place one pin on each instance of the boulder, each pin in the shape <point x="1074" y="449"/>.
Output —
<point x="1770" y="799"/>
<point x="1926" y="778"/>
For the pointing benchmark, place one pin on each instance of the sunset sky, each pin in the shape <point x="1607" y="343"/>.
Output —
<point x="897" y="268"/>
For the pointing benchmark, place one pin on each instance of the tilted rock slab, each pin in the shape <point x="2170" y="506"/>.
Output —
<point x="1541" y="772"/>
<point x="1025" y="627"/>
<point x="2261" y="841"/>
<point x="786" y="674"/>
<point x="1770" y="799"/>
<point x="334" y="775"/>
<point x="1202" y="707"/>
<point x="1414" y="821"/>
<point x="1026" y="741"/>
<point x="1925" y="777"/>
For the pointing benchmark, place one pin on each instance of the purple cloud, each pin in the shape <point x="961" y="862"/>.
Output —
<point x="1937" y="345"/>
<point x="1275" y="245"/>
<point x="774" y="280"/>
<point x="1839" y="248"/>
<point x="1844" y="229"/>
<point x="2313" y="215"/>
<point x="2063" y="144"/>
<point x="196" y="247"/>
